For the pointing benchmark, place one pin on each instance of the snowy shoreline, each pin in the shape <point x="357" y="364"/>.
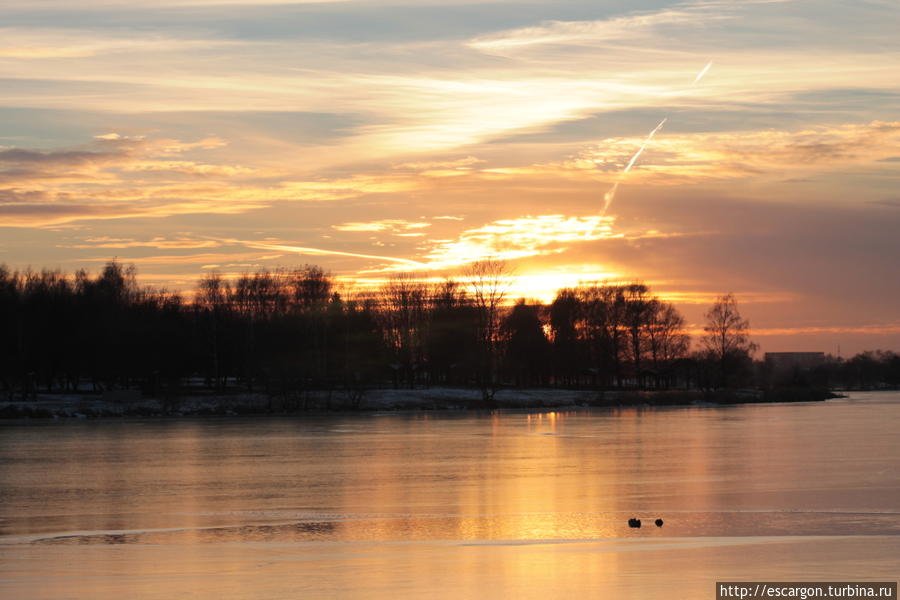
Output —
<point x="121" y="404"/>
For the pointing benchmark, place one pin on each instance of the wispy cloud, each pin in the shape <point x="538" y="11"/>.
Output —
<point x="874" y="329"/>
<point x="596" y="33"/>
<point x="190" y="259"/>
<point x="307" y="251"/>
<point x="157" y="242"/>
<point x="68" y="43"/>
<point x="459" y="163"/>
<point x="395" y="225"/>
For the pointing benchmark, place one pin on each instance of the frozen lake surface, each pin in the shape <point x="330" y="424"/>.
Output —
<point x="452" y="505"/>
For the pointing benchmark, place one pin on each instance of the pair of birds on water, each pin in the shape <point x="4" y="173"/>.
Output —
<point x="632" y="522"/>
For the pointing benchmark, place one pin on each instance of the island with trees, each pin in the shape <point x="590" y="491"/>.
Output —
<point x="285" y="340"/>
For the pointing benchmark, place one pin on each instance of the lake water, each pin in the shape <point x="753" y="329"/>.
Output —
<point x="452" y="505"/>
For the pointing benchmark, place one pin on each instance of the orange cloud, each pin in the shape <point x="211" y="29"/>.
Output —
<point x="108" y="179"/>
<point x="509" y="239"/>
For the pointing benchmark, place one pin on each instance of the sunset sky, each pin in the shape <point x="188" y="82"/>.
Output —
<point x="372" y="137"/>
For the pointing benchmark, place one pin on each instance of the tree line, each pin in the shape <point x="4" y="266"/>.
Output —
<point x="286" y="331"/>
<point x="869" y="370"/>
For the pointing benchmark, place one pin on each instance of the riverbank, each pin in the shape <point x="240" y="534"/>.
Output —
<point x="122" y="404"/>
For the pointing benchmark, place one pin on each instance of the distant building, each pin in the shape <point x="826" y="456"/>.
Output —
<point x="780" y="362"/>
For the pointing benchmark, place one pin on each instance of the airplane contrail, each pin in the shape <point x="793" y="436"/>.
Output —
<point x="702" y="73"/>
<point x="609" y="196"/>
<point x="644" y="145"/>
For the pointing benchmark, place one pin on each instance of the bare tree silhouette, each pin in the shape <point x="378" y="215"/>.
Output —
<point x="490" y="280"/>
<point x="727" y="339"/>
